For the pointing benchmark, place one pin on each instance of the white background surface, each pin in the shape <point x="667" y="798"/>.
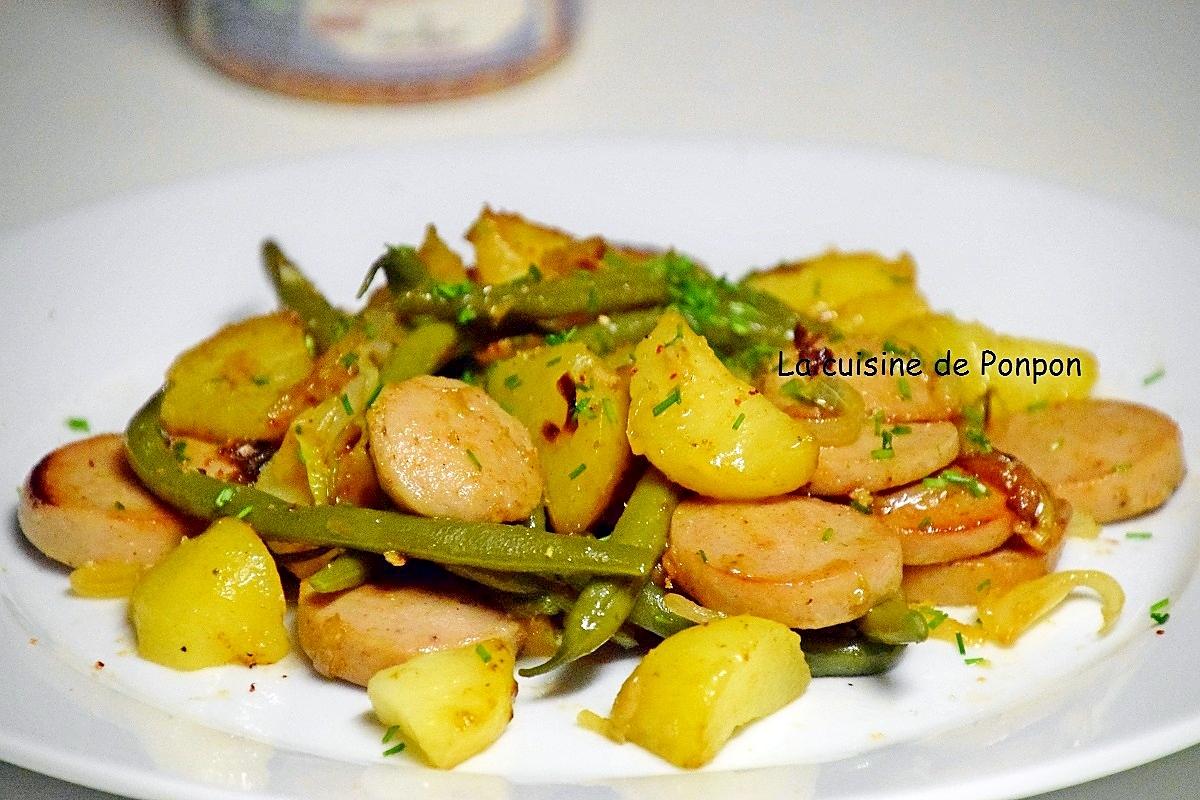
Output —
<point x="100" y="97"/>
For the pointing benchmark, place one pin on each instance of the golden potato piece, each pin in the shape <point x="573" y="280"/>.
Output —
<point x="444" y="448"/>
<point x="961" y="582"/>
<point x="448" y="705"/>
<point x="695" y="689"/>
<point x="83" y="503"/>
<point x="215" y="599"/>
<point x="936" y="525"/>
<point x="1109" y="458"/>
<point x="801" y="561"/>
<point x="354" y="634"/>
<point x="926" y="448"/>
<point x="706" y="429"/>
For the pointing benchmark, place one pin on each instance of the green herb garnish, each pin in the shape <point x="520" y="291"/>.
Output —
<point x="1154" y="377"/>
<point x="1158" y="611"/>
<point x="560" y="337"/>
<point x="474" y="460"/>
<point x="903" y="389"/>
<point x="223" y="497"/>
<point x="962" y="648"/>
<point x="512" y="381"/>
<point x="575" y="473"/>
<point x="79" y="424"/>
<point x="484" y="655"/>
<point x="737" y="423"/>
<point x="668" y="401"/>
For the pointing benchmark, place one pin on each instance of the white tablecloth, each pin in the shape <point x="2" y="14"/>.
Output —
<point x="99" y="98"/>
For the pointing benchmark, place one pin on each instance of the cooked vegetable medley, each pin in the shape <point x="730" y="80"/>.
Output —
<point x="496" y="469"/>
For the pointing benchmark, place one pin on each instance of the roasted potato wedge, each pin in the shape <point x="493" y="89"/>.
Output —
<point x="706" y="429"/>
<point x="215" y="599"/>
<point x="575" y="409"/>
<point x="225" y="388"/>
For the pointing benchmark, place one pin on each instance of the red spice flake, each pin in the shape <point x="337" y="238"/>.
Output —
<point x="33" y="641"/>
<point x="252" y="688"/>
<point x="99" y="665"/>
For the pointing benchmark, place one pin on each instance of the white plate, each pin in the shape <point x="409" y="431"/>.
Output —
<point x="97" y="303"/>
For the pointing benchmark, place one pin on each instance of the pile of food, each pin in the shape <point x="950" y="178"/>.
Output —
<point x="574" y="444"/>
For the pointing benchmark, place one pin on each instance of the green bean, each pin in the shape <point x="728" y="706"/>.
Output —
<point x="426" y="349"/>
<point x="603" y="605"/>
<point x="507" y="582"/>
<point x="325" y="323"/>
<point x="650" y="613"/>
<point x="344" y="572"/>
<point x="891" y="621"/>
<point x="611" y="331"/>
<point x="838" y="655"/>
<point x="510" y="548"/>
<point x="401" y="266"/>
<point x="580" y="292"/>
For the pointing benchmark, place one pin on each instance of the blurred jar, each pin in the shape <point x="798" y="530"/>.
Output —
<point x="381" y="51"/>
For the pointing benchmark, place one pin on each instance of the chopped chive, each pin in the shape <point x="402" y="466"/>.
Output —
<point x="901" y="430"/>
<point x="560" y="337"/>
<point x="245" y="512"/>
<point x="223" y="497"/>
<point x="984" y="585"/>
<point x="452" y="291"/>
<point x="179" y="448"/>
<point x="575" y="473"/>
<point x="962" y="648"/>
<point x="79" y="424"/>
<point x="934" y="483"/>
<point x="1154" y="377"/>
<point x="610" y="412"/>
<point x="703" y="556"/>
<point x="903" y="389"/>
<point x="983" y="662"/>
<point x="1138" y="535"/>
<point x="310" y="344"/>
<point x="391" y="751"/>
<point x="390" y="734"/>
<point x="891" y="348"/>
<point x="677" y="337"/>
<point x="484" y="655"/>
<point x="883" y="453"/>
<point x="936" y="617"/>
<point x="347" y="361"/>
<point x="375" y="395"/>
<point x="465" y="315"/>
<point x="260" y="380"/>
<point x="349" y="409"/>
<point x="668" y="401"/>
<point x="1158" y="611"/>
<point x="972" y="484"/>
<point x="512" y="381"/>
<point x="827" y="534"/>
<point x="737" y="423"/>
<point x="474" y="460"/>
<point x="553" y="361"/>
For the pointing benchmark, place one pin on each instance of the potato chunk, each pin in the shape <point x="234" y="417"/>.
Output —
<point x="507" y="245"/>
<point x="704" y="428"/>
<point x="801" y="561"/>
<point x="695" y="689"/>
<point x="82" y="503"/>
<point x="443" y="448"/>
<point x="575" y="409"/>
<point x="353" y="634"/>
<point x="1110" y="459"/>
<point x="216" y="599"/>
<point x="448" y="705"/>
<point x="225" y="388"/>
<point x="820" y="286"/>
